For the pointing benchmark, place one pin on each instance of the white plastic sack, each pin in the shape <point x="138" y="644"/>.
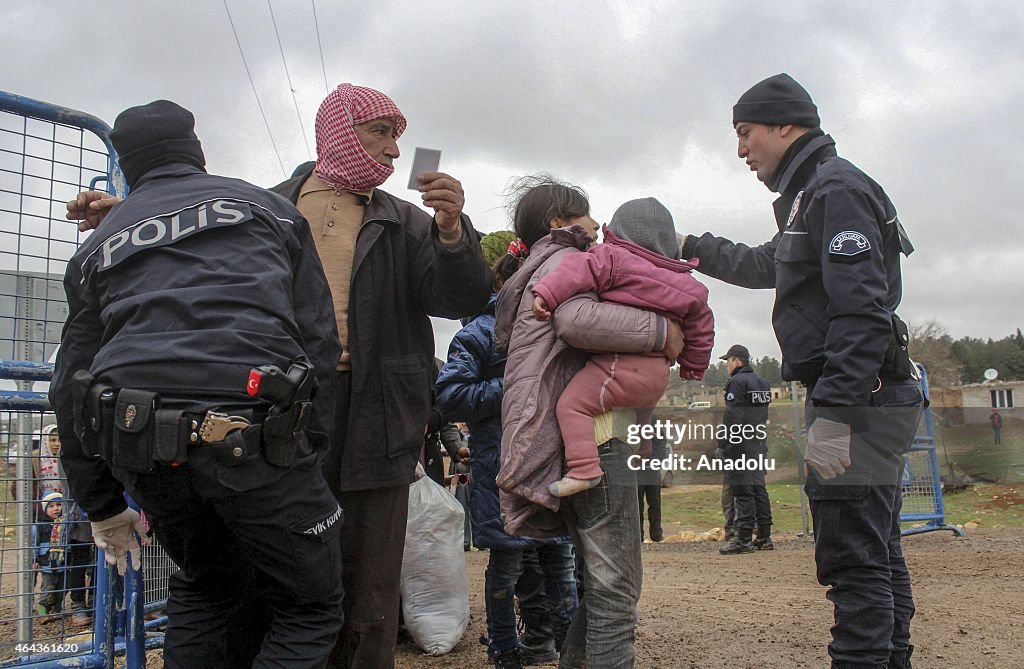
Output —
<point x="435" y="593"/>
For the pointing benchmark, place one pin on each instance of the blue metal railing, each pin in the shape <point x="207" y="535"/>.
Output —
<point x="48" y="154"/>
<point x="921" y="479"/>
<point x="24" y="400"/>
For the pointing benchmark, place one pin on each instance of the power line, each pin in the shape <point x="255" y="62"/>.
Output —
<point x="254" y="93"/>
<point x="327" y="87"/>
<point x="288" y="76"/>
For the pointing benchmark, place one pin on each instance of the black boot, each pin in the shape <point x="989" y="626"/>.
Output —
<point x="900" y="660"/>
<point x="763" y="542"/>
<point x="741" y="544"/>
<point x="510" y="660"/>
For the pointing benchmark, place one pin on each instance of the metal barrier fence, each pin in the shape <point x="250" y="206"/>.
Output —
<point x="922" y="484"/>
<point x="57" y="607"/>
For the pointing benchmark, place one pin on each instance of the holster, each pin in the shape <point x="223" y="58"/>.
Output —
<point x="897" y="365"/>
<point x="93" y="408"/>
<point x="281" y="433"/>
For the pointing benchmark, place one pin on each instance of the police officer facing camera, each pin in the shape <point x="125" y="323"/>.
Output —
<point x="835" y="268"/>
<point x="198" y="311"/>
<point x="747" y="397"/>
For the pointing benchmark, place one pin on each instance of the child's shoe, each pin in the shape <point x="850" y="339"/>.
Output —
<point x="47" y="612"/>
<point x="570" y="486"/>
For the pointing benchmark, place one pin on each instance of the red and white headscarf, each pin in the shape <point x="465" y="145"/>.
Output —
<point x="341" y="161"/>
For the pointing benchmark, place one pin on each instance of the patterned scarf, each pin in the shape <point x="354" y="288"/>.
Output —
<point x="342" y="162"/>
<point x="59" y="537"/>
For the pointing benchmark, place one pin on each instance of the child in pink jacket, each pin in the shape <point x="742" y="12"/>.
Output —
<point x="638" y="265"/>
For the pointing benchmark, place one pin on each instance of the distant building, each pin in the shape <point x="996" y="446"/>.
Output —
<point x="33" y="309"/>
<point x="974" y="402"/>
<point x="978" y="400"/>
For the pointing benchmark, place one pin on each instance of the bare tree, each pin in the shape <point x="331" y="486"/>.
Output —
<point x="932" y="346"/>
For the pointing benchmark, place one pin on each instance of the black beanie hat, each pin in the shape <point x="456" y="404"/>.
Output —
<point x="778" y="100"/>
<point x="152" y="135"/>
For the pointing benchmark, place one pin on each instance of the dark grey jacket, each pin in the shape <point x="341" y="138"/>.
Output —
<point x="401" y="275"/>
<point x="747" y="397"/>
<point x="189" y="283"/>
<point x="834" y="265"/>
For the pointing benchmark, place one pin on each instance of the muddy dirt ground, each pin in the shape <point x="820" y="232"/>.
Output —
<point x="700" y="610"/>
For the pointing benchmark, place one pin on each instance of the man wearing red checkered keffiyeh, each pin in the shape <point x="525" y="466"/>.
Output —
<point x="390" y="265"/>
<point x="341" y="159"/>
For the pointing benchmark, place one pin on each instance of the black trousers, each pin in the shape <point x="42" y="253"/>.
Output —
<point x="746" y="487"/>
<point x="230" y="527"/>
<point x="762" y="506"/>
<point x="372" y="546"/>
<point x="728" y="509"/>
<point x="651" y="493"/>
<point x="857" y="546"/>
<point x="81" y="562"/>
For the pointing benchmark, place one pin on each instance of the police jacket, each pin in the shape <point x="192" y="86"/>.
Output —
<point x="747" y="397"/>
<point x="470" y="388"/>
<point x="401" y="275"/>
<point x="185" y="286"/>
<point x="834" y="265"/>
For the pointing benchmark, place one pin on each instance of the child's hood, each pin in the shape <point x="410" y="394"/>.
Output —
<point x="648" y="255"/>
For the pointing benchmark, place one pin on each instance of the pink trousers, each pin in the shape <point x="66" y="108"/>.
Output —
<point x="608" y="381"/>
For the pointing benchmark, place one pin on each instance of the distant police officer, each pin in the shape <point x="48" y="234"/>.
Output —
<point x="835" y="267"/>
<point x="197" y="310"/>
<point x="747" y="397"/>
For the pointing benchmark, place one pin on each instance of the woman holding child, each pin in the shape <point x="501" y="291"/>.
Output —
<point x="553" y="221"/>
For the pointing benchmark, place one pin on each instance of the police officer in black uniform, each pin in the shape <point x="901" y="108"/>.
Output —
<point x="835" y="267"/>
<point x="198" y="311"/>
<point x="747" y="397"/>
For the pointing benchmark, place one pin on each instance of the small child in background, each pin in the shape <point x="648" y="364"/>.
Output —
<point x="49" y="461"/>
<point x="51" y="591"/>
<point x="638" y="265"/>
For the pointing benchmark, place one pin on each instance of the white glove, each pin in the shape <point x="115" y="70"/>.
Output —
<point x="117" y="537"/>
<point x="828" y="447"/>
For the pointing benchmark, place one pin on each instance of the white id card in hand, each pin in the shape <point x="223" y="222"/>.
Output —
<point x="425" y="160"/>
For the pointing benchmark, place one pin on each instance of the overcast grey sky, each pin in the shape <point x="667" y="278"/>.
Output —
<point x="627" y="99"/>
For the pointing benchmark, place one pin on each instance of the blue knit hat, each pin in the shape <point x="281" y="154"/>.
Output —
<point x="51" y="497"/>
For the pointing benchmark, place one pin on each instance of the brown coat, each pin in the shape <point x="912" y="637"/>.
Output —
<point x="402" y="274"/>
<point x="542" y="357"/>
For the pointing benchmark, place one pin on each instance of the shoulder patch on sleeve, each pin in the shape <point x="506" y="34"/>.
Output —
<point x="729" y="397"/>
<point x="849" y="246"/>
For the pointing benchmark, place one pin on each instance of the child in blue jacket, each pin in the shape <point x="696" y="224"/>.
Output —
<point x="469" y="389"/>
<point x="51" y="592"/>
